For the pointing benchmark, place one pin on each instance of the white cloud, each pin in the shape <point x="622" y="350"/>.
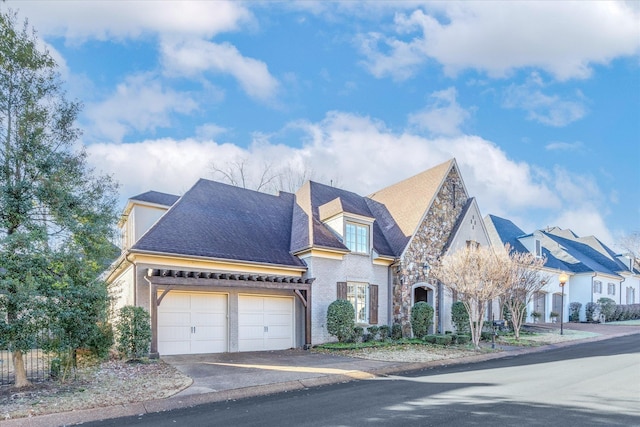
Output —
<point x="550" y="110"/>
<point x="78" y="21"/>
<point x="141" y="103"/>
<point x="562" y="38"/>
<point x="359" y="153"/>
<point x="193" y="57"/>
<point x="443" y="116"/>
<point x="564" y="146"/>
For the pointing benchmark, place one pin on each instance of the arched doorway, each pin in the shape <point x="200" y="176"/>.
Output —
<point x="425" y="292"/>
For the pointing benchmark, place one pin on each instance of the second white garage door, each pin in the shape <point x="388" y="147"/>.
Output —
<point x="265" y="323"/>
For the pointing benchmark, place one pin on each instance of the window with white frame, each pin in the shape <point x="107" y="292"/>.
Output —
<point x="358" y="295"/>
<point x="538" y="249"/>
<point x="597" y="287"/>
<point x="357" y="237"/>
<point x="611" y="288"/>
<point x="631" y="295"/>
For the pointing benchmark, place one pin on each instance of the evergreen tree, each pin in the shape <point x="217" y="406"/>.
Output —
<point x="56" y="216"/>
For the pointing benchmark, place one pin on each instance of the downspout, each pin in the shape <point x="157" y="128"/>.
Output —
<point x="135" y="279"/>
<point x="440" y="308"/>
<point x="620" y="294"/>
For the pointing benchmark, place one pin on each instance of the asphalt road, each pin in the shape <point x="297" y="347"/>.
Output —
<point x="592" y="384"/>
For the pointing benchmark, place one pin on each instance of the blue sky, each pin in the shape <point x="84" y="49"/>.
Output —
<point x="539" y="102"/>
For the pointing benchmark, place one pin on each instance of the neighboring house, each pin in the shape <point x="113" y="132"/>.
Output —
<point x="594" y="270"/>
<point x="225" y="269"/>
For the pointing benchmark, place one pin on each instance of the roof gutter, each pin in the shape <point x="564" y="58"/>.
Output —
<point x="204" y="258"/>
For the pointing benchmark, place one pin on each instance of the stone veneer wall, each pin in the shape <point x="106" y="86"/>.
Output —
<point x="426" y="246"/>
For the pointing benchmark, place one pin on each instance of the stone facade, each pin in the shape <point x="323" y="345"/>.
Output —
<point x="426" y="247"/>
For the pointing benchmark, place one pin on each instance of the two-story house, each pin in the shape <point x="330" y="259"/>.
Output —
<point x="225" y="269"/>
<point x="594" y="271"/>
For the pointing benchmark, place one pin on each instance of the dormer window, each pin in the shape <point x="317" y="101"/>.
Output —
<point x="357" y="237"/>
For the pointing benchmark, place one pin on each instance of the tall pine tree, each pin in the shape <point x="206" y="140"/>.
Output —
<point x="56" y="216"/>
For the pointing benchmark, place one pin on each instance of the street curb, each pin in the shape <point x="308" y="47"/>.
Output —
<point x="176" y="402"/>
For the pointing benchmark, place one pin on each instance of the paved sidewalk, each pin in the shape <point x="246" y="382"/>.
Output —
<point x="229" y="376"/>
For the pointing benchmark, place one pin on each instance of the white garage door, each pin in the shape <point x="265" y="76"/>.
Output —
<point x="265" y="323"/>
<point x="191" y="323"/>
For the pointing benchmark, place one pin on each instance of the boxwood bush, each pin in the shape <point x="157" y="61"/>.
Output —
<point x="608" y="308"/>
<point x="574" y="311"/>
<point x="444" y="339"/>
<point x="460" y="317"/>
<point x="134" y="332"/>
<point x="421" y="318"/>
<point x="396" y="332"/>
<point x="341" y="320"/>
<point x="385" y="332"/>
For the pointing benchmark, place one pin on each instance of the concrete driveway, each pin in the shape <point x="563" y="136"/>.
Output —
<point x="230" y="371"/>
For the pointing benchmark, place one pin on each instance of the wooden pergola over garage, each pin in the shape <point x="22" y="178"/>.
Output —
<point x="168" y="280"/>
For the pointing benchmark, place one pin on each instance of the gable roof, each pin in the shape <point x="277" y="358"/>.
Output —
<point x="156" y="198"/>
<point x="314" y="198"/>
<point x="502" y="231"/>
<point x="563" y="249"/>
<point x="587" y="253"/>
<point x="408" y="200"/>
<point x="217" y="220"/>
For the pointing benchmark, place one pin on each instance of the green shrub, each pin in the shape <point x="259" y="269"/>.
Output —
<point x="608" y="308"/>
<point x="460" y="317"/>
<point x="463" y="339"/>
<point x="486" y="335"/>
<point x="421" y="318"/>
<point x="431" y="338"/>
<point x="574" y="311"/>
<point x="341" y="319"/>
<point x="358" y="334"/>
<point x="373" y="331"/>
<point x="134" y="332"/>
<point x="444" y="339"/>
<point x="591" y="309"/>
<point x="385" y="332"/>
<point x="102" y="340"/>
<point x="396" y="332"/>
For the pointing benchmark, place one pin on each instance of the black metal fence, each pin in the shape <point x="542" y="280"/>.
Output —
<point x="36" y="362"/>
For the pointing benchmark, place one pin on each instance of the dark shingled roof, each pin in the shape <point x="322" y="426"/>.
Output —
<point x="222" y="221"/>
<point x="157" y="197"/>
<point x="352" y="203"/>
<point x="508" y="232"/>
<point x="563" y="249"/>
<point x="589" y="259"/>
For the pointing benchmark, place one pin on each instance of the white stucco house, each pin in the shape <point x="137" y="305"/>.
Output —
<point x="594" y="270"/>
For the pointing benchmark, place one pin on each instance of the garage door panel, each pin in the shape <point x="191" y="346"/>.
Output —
<point x="174" y="319"/>
<point x="278" y="319"/>
<point x="190" y="323"/>
<point x="251" y="319"/>
<point x="207" y="319"/>
<point x="265" y="323"/>
<point x="279" y="331"/>
<point x="278" y="305"/>
<point x="211" y="303"/>
<point x="175" y="302"/>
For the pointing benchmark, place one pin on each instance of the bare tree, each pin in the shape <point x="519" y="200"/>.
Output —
<point x="631" y="244"/>
<point x="267" y="178"/>
<point x="478" y="275"/>
<point x="240" y="173"/>
<point x="525" y="280"/>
